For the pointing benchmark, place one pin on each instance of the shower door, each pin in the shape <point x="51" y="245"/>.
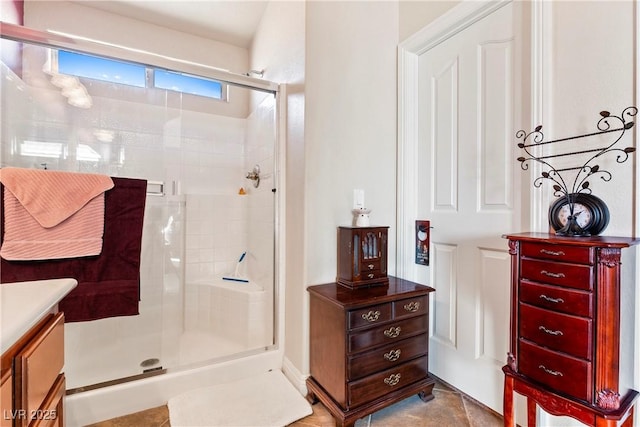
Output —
<point x="195" y="149"/>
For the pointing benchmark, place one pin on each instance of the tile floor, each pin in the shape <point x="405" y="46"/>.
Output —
<point x="450" y="408"/>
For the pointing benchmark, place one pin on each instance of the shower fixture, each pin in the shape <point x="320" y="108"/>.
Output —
<point x="254" y="175"/>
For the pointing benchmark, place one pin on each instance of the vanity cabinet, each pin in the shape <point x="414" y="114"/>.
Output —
<point x="566" y="323"/>
<point x="368" y="347"/>
<point x="362" y="256"/>
<point x="6" y="401"/>
<point x="33" y="386"/>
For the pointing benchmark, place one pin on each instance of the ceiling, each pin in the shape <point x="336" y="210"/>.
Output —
<point x="228" y="21"/>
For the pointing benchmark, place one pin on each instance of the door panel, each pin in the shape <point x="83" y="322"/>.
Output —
<point x="444" y="313"/>
<point x="445" y="125"/>
<point x="466" y="121"/>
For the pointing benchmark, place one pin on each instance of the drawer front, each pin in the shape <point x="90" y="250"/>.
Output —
<point x="557" y="273"/>
<point x="410" y="307"/>
<point x="560" y="253"/>
<point x="371" y="315"/>
<point x="386" y="357"/>
<point x="51" y="413"/>
<point x="369" y="265"/>
<point x="375" y="386"/>
<point x="557" y="331"/>
<point x="555" y="298"/>
<point x="372" y="274"/>
<point x="384" y="334"/>
<point x="562" y="373"/>
<point x="39" y="364"/>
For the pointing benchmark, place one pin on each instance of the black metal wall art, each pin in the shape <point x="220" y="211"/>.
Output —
<point x="572" y="166"/>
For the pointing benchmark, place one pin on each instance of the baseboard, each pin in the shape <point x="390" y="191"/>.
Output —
<point x="297" y="378"/>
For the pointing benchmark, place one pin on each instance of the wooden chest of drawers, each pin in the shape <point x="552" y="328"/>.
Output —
<point x="565" y="327"/>
<point x="369" y="347"/>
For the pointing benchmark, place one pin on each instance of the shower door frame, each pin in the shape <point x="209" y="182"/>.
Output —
<point x="85" y="45"/>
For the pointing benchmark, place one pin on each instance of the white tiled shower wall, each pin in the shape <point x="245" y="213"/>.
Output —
<point x="222" y="224"/>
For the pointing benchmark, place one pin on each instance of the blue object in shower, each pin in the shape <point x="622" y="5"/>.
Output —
<point x="235" y="277"/>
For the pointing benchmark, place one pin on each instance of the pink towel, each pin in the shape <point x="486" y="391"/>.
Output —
<point x="52" y="214"/>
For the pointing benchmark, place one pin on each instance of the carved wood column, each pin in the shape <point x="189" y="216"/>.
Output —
<point x="608" y="324"/>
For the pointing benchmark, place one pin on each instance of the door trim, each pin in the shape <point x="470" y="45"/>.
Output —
<point x="446" y="26"/>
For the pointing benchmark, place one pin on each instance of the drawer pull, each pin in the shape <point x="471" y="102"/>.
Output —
<point x="371" y="275"/>
<point x="554" y="253"/>
<point x="413" y="306"/>
<point x="393" y="355"/>
<point x="550" y="332"/>
<point x="371" y="316"/>
<point x="550" y="274"/>
<point x="371" y="266"/>
<point x="553" y="300"/>
<point x="392" y="332"/>
<point x="392" y="380"/>
<point x="550" y="372"/>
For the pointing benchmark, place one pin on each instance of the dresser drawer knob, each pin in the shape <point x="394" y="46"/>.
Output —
<point x="392" y="332"/>
<point x="371" y="275"/>
<point x="392" y="380"/>
<point x="553" y="300"/>
<point x="550" y="372"/>
<point x="550" y="274"/>
<point x="371" y="316"/>
<point x="371" y="266"/>
<point x="393" y="355"/>
<point x="554" y="253"/>
<point x="413" y="306"/>
<point x="550" y="332"/>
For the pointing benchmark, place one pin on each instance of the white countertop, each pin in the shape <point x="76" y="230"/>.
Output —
<point x="23" y="304"/>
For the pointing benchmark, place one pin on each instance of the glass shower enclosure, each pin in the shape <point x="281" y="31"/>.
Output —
<point x="205" y="141"/>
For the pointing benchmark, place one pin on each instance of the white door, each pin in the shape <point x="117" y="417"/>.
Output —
<point x="468" y="176"/>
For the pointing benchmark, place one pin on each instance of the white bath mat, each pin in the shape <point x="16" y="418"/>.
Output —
<point x="267" y="400"/>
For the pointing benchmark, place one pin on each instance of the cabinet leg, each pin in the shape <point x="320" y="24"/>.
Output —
<point x="629" y="421"/>
<point x="531" y="412"/>
<point x="311" y="398"/>
<point x="426" y="395"/>
<point x="509" y="420"/>
<point x="345" y="423"/>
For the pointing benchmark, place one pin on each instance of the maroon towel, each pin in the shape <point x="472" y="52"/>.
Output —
<point x="108" y="284"/>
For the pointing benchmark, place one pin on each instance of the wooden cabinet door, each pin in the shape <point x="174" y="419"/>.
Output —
<point x="6" y="399"/>
<point x="37" y="369"/>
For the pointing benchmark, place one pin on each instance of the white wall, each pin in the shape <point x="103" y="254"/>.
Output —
<point x="415" y="15"/>
<point x="350" y="125"/>
<point x="279" y="49"/>
<point x="592" y="69"/>
<point x="350" y="131"/>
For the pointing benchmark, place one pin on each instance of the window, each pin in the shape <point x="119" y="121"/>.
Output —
<point x="109" y="70"/>
<point x="187" y="84"/>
